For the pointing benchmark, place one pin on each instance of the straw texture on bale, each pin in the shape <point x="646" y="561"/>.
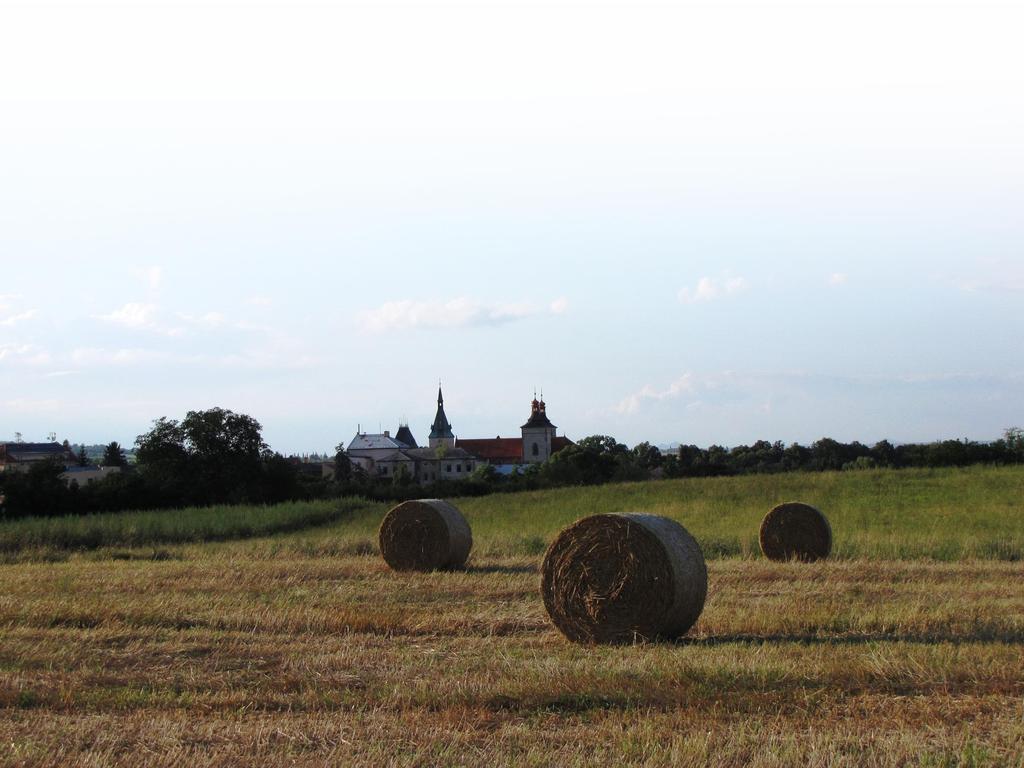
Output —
<point x="624" y="578"/>
<point x="795" y="531"/>
<point x="425" y="535"/>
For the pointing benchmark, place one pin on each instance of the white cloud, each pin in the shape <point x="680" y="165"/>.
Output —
<point x="12" y="310"/>
<point x="132" y="315"/>
<point x="685" y="384"/>
<point x="140" y="317"/>
<point x="9" y="350"/>
<point x="26" y="354"/>
<point x="15" y="319"/>
<point x="838" y="278"/>
<point x="709" y="391"/>
<point x="457" y="313"/>
<point x="711" y="288"/>
<point x="147" y="317"/>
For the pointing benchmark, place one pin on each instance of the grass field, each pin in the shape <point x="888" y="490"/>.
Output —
<point x="55" y="537"/>
<point x="301" y="648"/>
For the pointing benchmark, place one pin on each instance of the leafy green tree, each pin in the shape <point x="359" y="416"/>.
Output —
<point x="82" y="458"/>
<point x="1014" y="439"/>
<point x="342" y="465"/>
<point x="211" y="456"/>
<point x="279" y="481"/>
<point x="484" y="473"/>
<point x="39" y="491"/>
<point x="361" y="477"/>
<point x="670" y="466"/>
<point x="113" y="456"/>
<point x="827" y="454"/>
<point x="219" y="433"/>
<point x="796" y="457"/>
<point x="163" y="462"/>
<point x="163" y="446"/>
<point x="884" y="453"/>
<point x="586" y="463"/>
<point x="717" y="460"/>
<point x="647" y="457"/>
<point x="692" y="461"/>
<point x="860" y="463"/>
<point x="602" y="444"/>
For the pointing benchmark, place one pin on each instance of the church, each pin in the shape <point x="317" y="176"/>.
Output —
<point x="451" y="458"/>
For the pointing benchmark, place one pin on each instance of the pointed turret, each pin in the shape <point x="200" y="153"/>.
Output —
<point x="441" y="430"/>
<point x="405" y="436"/>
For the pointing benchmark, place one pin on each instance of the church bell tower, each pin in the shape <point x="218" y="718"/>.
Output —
<point x="441" y="431"/>
<point x="538" y="433"/>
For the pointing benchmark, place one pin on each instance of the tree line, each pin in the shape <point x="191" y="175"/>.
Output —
<point x="219" y="457"/>
<point x="603" y="459"/>
<point x="209" y="457"/>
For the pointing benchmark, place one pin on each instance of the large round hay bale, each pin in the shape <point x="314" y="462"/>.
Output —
<point x="795" y="531"/>
<point x="425" y="535"/>
<point x="624" y="578"/>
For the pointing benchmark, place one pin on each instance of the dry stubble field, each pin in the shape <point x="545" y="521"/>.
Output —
<point x="242" y="652"/>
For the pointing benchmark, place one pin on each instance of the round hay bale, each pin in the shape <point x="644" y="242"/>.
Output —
<point x="425" y="535"/>
<point x="795" y="531"/>
<point x="624" y="578"/>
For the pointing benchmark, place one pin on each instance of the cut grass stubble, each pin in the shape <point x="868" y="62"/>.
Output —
<point x="836" y="663"/>
<point x="291" y="649"/>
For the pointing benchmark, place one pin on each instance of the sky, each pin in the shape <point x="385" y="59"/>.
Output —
<point x="705" y="223"/>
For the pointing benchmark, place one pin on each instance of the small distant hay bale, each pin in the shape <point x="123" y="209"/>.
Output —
<point x="624" y="578"/>
<point x="795" y="531"/>
<point x="425" y="535"/>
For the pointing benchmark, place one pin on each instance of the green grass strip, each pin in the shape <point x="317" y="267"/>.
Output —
<point x="171" y="526"/>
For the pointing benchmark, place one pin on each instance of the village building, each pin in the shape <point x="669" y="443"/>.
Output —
<point x="85" y="475"/>
<point x="538" y="443"/>
<point x="18" y="457"/>
<point x="449" y="457"/>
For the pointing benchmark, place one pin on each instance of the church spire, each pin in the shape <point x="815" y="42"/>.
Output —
<point x="441" y="430"/>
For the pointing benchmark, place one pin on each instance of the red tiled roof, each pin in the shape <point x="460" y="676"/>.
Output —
<point x="496" y="449"/>
<point x="505" y="450"/>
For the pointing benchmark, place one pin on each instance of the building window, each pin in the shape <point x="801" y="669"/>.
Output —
<point x="448" y="468"/>
<point x="458" y="467"/>
<point x="469" y="467"/>
<point x="383" y="470"/>
<point x="535" y="450"/>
